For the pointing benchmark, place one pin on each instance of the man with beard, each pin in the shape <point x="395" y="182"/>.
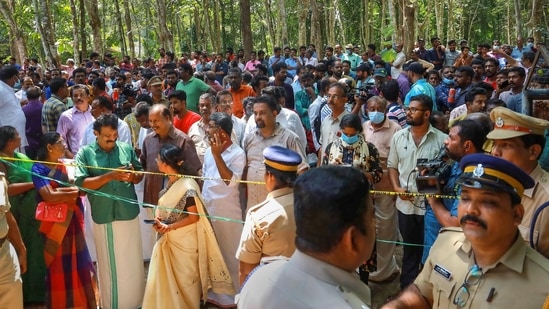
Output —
<point x="450" y="54"/>
<point x="419" y="84"/>
<point x="478" y="69"/>
<point x="183" y="119"/>
<point x="463" y="78"/>
<point x="337" y="69"/>
<point x="475" y="102"/>
<point x="419" y="140"/>
<point x="491" y="67"/>
<point x="126" y="96"/>
<point x="280" y="71"/>
<point x="267" y="133"/>
<point x="172" y="78"/>
<point x="199" y="130"/>
<point x="238" y="91"/>
<point x="513" y="97"/>
<point x="465" y="137"/>
<point x="472" y="266"/>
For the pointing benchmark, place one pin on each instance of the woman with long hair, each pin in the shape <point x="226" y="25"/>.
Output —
<point x="22" y="195"/>
<point x="186" y="261"/>
<point x="70" y="277"/>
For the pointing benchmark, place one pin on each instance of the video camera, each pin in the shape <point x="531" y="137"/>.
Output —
<point x="434" y="174"/>
<point x="364" y="92"/>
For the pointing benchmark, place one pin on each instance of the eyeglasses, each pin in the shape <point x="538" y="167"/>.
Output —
<point x="472" y="278"/>
<point x="413" y="110"/>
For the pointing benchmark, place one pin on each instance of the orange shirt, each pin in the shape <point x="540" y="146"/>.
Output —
<point x="238" y="96"/>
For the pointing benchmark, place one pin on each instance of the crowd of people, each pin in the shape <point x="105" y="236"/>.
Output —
<point x="252" y="173"/>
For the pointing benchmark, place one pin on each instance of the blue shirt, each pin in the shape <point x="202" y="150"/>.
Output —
<point x="421" y="87"/>
<point x="432" y="226"/>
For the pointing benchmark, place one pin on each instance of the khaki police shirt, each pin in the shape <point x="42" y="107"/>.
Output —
<point x="531" y="200"/>
<point x="269" y="229"/>
<point x="520" y="278"/>
<point x="303" y="282"/>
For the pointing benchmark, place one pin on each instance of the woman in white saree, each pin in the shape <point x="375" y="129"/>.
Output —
<point x="186" y="261"/>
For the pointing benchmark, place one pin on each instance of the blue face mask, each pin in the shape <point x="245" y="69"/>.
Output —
<point x="376" y="117"/>
<point x="447" y="81"/>
<point x="348" y="51"/>
<point x="349" y="139"/>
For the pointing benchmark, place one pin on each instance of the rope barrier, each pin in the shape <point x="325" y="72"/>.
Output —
<point x="211" y="217"/>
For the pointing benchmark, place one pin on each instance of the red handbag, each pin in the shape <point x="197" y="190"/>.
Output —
<point x="51" y="212"/>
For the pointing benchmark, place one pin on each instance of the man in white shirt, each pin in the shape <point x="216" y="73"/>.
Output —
<point x="102" y="106"/>
<point x="223" y="166"/>
<point x="12" y="113"/>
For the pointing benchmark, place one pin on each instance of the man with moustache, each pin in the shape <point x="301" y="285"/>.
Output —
<point x="199" y="130"/>
<point x="420" y="140"/>
<point x="465" y="137"/>
<point x="267" y="133"/>
<point x="183" y="118"/>
<point x="164" y="132"/>
<point x="520" y="139"/>
<point x="116" y="225"/>
<point x="73" y="122"/>
<point x="222" y="169"/>
<point x="473" y="266"/>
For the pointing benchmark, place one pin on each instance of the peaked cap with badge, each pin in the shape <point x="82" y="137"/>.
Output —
<point x="509" y="124"/>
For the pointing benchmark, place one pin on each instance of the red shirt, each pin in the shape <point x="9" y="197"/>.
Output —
<point x="185" y="123"/>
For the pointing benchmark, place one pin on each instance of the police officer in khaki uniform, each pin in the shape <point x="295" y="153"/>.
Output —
<point x="334" y="217"/>
<point x="13" y="260"/>
<point x="269" y="229"/>
<point x="520" y="139"/>
<point x="485" y="263"/>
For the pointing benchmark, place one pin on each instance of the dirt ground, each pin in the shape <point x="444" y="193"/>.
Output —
<point x="380" y="292"/>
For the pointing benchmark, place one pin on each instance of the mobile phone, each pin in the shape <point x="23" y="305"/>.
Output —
<point x="149" y="221"/>
<point x="505" y="84"/>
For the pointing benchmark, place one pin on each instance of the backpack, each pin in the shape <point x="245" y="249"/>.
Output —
<point x="318" y="120"/>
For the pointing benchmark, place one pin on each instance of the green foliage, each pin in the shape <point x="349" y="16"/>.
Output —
<point x="476" y="20"/>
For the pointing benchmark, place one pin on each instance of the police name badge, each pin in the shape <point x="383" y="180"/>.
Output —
<point x="443" y="272"/>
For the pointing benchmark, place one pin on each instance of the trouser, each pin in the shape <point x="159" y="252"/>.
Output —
<point x="387" y="233"/>
<point x="411" y="228"/>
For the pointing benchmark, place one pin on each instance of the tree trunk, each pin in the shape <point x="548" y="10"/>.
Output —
<point x="95" y="24"/>
<point x="303" y="12"/>
<point x="439" y="17"/>
<point x="198" y="27"/>
<point x="129" y="29"/>
<point x="535" y="20"/>
<point x="270" y="27"/>
<point x="82" y="53"/>
<point x="120" y="26"/>
<point x="246" y="27"/>
<point x="18" y="44"/>
<point x="393" y="24"/>
<point x="283" y="26"/>
<point x="217" y="27"/>
<point x="75" y="34"/>
<point x="165" y="36"/>
<point x="409" y="24"/>
<point x="316" y="26"/>
<point x="518" y="19"/>
<point x="42" y="17"/>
